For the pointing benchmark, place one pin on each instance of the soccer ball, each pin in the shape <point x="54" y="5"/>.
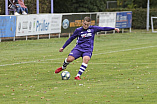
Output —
<point x="65" y="75"/>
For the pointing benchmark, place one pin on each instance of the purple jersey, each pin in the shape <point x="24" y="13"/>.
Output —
<point x="85" y="37"/>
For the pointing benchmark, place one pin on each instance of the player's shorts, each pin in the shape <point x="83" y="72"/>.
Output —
<point x="76" y="53"/>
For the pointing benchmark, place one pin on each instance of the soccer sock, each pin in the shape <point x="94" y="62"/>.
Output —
<point x="65" y="64"/>
<point x="82" y="69"/>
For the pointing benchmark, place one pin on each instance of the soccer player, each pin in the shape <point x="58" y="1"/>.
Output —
<point x="84" y="47"/>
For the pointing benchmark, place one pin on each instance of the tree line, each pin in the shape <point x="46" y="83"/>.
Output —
<point x="77" y="6"/>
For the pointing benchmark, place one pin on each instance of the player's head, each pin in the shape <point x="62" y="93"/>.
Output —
<point x="86" y="22"/>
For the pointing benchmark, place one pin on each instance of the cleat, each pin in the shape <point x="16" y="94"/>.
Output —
<point x="77" y="78"/>
<point x="58" y="70"/>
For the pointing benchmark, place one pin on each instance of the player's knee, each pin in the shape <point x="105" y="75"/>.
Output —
<point x="86" y="59"/>
<point x="70" y="59"/>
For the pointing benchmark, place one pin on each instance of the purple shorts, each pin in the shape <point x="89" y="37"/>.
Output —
<point x="76" y="53"/>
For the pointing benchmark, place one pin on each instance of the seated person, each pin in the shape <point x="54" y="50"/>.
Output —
<point x="20" y="7"/>
<point x="12" y="5"/>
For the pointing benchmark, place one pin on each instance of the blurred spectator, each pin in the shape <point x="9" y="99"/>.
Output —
<point x="12" y="5"/>
<point x="20" y="7"/>
<point x="24" y="9"/>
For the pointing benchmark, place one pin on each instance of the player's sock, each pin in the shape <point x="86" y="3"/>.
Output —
<point x="82" y="69"/>
<point x="65" y="64"/>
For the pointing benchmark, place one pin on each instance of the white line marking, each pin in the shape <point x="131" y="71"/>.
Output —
<point x="93" y="54"/>
<point x="108" y="63"/>
<point x="29" y="62"/>
<point x="126" y="63"/>
<point x="125" y="50"/>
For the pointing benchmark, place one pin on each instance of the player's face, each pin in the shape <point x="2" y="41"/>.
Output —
<point x="85" y="24"/>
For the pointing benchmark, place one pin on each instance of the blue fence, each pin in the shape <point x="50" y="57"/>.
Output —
<point x="7" y="26"/>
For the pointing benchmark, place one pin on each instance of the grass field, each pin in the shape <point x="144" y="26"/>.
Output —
<point x="123" y="70"/>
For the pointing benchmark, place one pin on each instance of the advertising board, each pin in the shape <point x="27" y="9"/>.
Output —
<point x="124" y="19"/>
<point x="38" y="24"/>
<point x="7" y="26"/>
<point x="107" y="19"/>
<point x="72" y="21"/>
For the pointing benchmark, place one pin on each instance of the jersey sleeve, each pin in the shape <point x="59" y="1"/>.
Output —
<point x="98" y="28"/>
<point x="73" y="36"/>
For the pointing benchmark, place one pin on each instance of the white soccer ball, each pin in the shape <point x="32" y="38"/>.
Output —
<point x="65" y="75"/>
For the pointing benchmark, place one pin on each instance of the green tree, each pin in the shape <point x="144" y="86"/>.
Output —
<point x="153" y="3"/>
<point x="126" y="4"/>
<point x="89" y="5"/>
<point x="62" y="6"/>
<point x="140" y="3"/>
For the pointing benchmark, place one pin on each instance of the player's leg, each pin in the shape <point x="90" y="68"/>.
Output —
<point x="86" y="58"/>
<point x="65" y="63"/>
<point x="74" y="54"/>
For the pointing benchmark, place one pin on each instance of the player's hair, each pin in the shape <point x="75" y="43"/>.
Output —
<point x="88" y="19"/>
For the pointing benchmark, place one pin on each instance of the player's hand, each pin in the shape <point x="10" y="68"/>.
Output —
<point x="117" y="29"/>
<point x="61" y="49"/>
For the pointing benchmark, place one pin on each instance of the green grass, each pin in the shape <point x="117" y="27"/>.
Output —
<point x="123" y="70"/>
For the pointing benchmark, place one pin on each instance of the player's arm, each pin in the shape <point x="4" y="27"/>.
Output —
<point x="98" y="28"/>
<point x="117" y="29"/>
<point x="69" y="41"/>
<point x="66" y="44"/>
<point x="61" y="49"/>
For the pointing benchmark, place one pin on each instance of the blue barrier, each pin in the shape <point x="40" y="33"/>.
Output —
<point x="7" y="26"/>
<point x="123" y="19"/>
